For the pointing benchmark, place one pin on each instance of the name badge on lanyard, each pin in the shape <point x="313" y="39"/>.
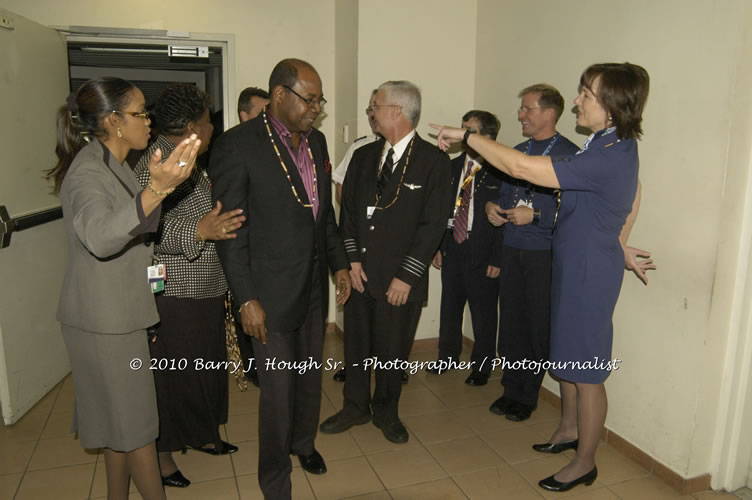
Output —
<point x="156" y="276"/>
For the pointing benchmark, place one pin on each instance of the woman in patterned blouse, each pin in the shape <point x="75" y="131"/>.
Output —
<point x="191" y="398"/>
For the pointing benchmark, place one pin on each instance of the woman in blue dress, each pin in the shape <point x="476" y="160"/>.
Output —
<point x="600" y="197"/>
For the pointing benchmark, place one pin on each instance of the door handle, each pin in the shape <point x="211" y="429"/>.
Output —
<point x="9" y="225"/>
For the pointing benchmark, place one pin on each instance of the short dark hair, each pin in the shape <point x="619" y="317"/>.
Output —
<point x="285" y="73"/>
<point x="623" y="91"/>
<point x="244" y="99"/>
<point x="489" y="123"/>
<point x="178" y="104"/>
<point x="550" y="97"/>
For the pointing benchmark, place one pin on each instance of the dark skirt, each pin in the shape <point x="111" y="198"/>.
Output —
<point x="189" y="357"/>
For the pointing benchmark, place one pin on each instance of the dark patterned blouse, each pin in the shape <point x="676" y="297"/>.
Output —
<point x="193" y="268"/>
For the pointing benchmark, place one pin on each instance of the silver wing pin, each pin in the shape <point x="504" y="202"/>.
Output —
<point x="412" y="186"/>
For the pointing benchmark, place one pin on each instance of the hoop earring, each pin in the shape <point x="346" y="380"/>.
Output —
<point x="119" y="134"/>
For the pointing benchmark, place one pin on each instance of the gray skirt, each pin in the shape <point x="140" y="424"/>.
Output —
<point x="115" y="405"/>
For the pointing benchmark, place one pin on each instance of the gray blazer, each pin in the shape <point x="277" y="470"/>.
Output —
<point x="105" y="288"/>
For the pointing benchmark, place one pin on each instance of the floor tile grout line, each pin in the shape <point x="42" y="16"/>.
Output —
<point x="232" y="463"/>
<point x="36" y="442"/>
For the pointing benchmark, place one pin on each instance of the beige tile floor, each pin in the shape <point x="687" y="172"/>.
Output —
<point x="457" y="450"/>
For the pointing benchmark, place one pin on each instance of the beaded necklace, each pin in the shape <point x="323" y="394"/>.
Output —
<point x="287" y="174"/>
<point x="402" y="178"/>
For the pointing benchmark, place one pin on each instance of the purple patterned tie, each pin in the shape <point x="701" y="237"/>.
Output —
<point x="460" y="218"/>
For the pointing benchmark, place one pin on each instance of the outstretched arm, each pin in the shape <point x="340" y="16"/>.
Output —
<point x="535" y="169"/>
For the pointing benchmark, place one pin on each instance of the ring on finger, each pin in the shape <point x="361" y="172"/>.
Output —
<point x="224" y="230"/>
<point x="182" y="163"/>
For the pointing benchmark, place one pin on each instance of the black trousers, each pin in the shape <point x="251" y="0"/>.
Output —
<point x="290" y="397"/>
<point x="245" y="344"/>
<point x="524" y="331"/>
<point x="462" y="282"/>
<point x="373" y="328"/>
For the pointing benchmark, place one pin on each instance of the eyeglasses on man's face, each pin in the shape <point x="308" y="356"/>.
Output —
<point x="320" y="101"/>
<point x="374" y="107"/>
<point x="527" y="109"/>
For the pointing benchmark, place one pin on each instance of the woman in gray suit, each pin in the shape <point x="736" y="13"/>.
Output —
<point x="106" y="303"/>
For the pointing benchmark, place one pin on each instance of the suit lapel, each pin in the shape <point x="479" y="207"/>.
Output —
<point x="319" y="163"/>
<point x="129" y="183"/>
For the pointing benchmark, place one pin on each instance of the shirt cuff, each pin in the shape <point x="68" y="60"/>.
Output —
<point x="146" y="224"/>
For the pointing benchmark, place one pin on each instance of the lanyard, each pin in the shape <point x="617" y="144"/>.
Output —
<point x="530" y="194"/>
<point x="467" y="181"/>
<point x="548" y="148"/>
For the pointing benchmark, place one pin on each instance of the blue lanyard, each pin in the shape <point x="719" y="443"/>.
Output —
<point x="530" y="191"/>
<point x="548" y="148"/>
<point x="594" y="136"/>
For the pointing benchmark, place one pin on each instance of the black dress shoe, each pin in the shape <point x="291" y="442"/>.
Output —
<point x="224" y="448"/>
<point x="552" y="484"/>
<point x="313" y="463"/>
<point x="339" y="376"/>
<point x="519" y="412"/>
<point x="556" y="447"/>
<point x="176" y="479"/>
<point x="340" y="422"/>
<point x="405" y="377"/>
<point x="501" y="405"/>
<point x="477" y="378"/>
<point x="394" y="431"/>
<point x="436" y="370"/>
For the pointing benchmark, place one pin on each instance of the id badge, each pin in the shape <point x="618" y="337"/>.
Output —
<point x="369" y="212"/>
<point x="450" y="223"/>
<point x="524" y="203"/>
<point x="156" y="276"/>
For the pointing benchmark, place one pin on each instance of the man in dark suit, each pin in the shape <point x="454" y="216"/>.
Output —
<point x="393" y="215"/>
<point x="276" y="168"/>
<point x="470" y="257"/>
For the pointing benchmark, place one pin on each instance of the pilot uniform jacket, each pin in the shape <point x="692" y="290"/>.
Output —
<point x="398" y="240"/>
<point x="278" y="245"/>
<point x="485" y="240"/>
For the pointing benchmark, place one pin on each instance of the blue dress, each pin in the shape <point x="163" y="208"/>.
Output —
<point x="598" y="188"/>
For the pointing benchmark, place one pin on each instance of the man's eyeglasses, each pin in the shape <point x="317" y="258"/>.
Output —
<point x="321" y="101"/>
<point x="527" y="109"/>
<point x="144" y="115"/>
<point x="370" y="109"/>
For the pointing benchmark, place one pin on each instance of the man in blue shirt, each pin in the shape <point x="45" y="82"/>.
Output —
<point x="528" y="214"/>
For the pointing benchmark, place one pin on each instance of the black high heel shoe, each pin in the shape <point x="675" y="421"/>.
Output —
<point x="176" y="479"/>
<point x="225" y="448"/>
<point x="552" y="484"/>
<point x="556" y="447"/>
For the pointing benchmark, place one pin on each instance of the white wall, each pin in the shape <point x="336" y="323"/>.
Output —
<point x="664" y="398"/>
<point x="399" y="41"/>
